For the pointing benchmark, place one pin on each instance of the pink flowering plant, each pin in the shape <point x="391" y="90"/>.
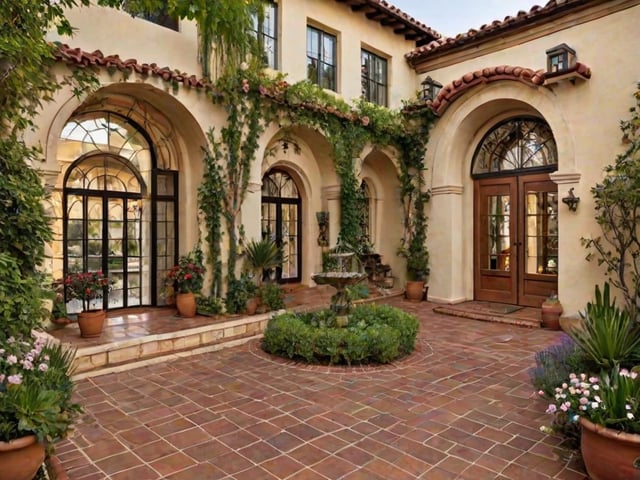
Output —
<point x="35" y="389"/>
<point x="188" y="275"/>
<point x="86" y="286"/>
<point x="611" y="400"/>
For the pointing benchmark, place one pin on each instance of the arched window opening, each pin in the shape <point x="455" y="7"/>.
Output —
<point x="513" y="145"/>
<point x="281" y="208"/>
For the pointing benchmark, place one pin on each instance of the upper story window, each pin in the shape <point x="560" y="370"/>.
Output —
<point x="374" y="78"/>
<point x="266" y="31"/>
<point x="322" y="63"/>
<point x="159" y="16"/>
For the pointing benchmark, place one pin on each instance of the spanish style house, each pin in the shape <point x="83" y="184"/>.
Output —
<point x="528" y="114"/>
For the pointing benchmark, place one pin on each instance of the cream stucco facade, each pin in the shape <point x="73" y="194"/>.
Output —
<point x="583" y="116"/>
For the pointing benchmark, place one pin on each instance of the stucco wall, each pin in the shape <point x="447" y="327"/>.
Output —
<point x="584" y="118"/>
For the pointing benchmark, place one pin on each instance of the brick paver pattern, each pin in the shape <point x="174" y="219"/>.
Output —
<point x="461" y="406"/>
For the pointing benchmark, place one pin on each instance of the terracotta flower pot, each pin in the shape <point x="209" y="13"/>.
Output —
<point x="414" y="290"/>
<point x="21" y="458"/>
<point x="252" y="305"/>
<point x="609" y="454"/>
<point x="91" y="323"/>
<point x="550" y="315"/>
<point x="186" y="304"/>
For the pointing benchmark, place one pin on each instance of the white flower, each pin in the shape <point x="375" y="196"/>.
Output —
<point x="630" y="416"/>
<point x="594" y="405"/>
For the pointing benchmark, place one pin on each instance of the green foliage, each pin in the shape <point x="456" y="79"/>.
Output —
<point x="238" y="292"/>
<point x="21" y="298"/>
<point x="357" y="291"/>
<point x="262" y="255"/>
<point x="608" y="335"/>
<point x="188" y="275"/>
<point x="375" y="334"/>
<point x="225" y="24"/>
<point x="210" y="193"/>
<point x="555" y="363"/>
<point x="272" y="296"/>
<point x="617" y="201"/>
<point x="36" y="400"/>
<point x="208" y="305"/>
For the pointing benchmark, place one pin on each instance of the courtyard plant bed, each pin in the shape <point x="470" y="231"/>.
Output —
<point x="374" y="334"/>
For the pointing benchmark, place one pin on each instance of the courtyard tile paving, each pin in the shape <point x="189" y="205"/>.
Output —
<point x="461" y="406"/>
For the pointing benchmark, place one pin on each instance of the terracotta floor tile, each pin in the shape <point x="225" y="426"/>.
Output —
<point x="138" y="473"/>
<point x="118" y="463"/>
<point x="170" y="464"/>
<point x="241" y="414"/>
<point x="152" y="451"/>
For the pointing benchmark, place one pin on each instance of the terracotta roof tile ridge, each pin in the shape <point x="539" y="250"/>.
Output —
<point x="450" y="92"/>
<point x="82" y="58"/>
<point x="405" y="16"/>
<point x="495" y="27"/>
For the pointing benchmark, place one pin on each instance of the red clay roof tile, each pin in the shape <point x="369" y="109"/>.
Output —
<point x="494" y="28"/>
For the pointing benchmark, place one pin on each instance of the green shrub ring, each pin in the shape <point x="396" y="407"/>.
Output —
<point x="375" y="334"/>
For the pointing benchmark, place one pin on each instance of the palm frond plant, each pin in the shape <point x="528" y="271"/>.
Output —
<point x="262" y="256"/>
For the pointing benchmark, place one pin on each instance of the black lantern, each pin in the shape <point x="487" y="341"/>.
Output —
<point x="430" y="89"/>
<point x="560" y="58"/>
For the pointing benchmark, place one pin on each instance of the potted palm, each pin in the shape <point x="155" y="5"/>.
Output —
<point x="261" y="257"/>
<point x="89" y="287"/>
<point x="187" y="278"/>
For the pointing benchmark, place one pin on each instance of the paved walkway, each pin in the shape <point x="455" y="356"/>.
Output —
<point x="460" y="407"/>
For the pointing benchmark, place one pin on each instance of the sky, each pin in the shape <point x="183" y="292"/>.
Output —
<point x="450" y="17"/>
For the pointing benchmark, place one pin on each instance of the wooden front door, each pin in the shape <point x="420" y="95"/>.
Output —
<point x="515" y="239"/>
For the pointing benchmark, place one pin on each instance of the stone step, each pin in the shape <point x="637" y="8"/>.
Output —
<point x="524" y="318"/>
<point x="133" y="353"/>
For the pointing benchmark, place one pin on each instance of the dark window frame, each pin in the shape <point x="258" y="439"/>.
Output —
<point x="318" y="65"/>
<point x="374" y="90"/>
<point x="267" y="34"/>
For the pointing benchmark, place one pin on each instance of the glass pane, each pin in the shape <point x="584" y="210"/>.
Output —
<point x="165" y="184"/>
<point x="498" y="231"/>
<point x="116" y="297"/>
<point x="514" y="145"/>
<point x="542" y="233"/>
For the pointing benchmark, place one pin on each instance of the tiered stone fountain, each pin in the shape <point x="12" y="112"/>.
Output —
<point x="340" y="280"/>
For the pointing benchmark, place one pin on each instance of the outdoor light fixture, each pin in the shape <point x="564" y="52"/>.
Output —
<point x="323" y="225"/>
<point x="560" y="59"/>
<point x="571" y="200"/>
<point x="430" y="89"/>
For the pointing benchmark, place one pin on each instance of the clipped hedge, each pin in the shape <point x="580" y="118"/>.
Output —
<point x="374" y="334"/>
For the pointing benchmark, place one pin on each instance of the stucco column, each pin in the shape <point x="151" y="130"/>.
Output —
<point x="331" y="198"/>
<point x="451" y="268"/>
<point x="252" y="211"/>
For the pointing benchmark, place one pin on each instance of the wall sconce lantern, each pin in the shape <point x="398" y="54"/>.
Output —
<point x="560" y="58"/>
<point x="323" y="225"/>
<point x="430" y="89"/>
<point x="571" y="200"/>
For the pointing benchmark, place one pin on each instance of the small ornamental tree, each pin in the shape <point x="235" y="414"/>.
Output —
<point x="617" y="205"/>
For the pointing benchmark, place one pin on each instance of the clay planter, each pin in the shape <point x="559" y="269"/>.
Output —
<point x="609" y="454"/>
<point x="414" y="290"/>
<point x="252" y="305"/>
<point x="21" y="458"/>
<point x="91" y="323"/>
<point x="551" y="315"/>
<point x="186" y="304"/>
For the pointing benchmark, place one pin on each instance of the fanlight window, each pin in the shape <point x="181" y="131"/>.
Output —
<point x="279" y="184"/>
<point x="517" y="144"/>
<point x="105" y="133"/>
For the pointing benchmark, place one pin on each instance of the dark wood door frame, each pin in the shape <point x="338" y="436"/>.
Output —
<point x="506" y="267"/>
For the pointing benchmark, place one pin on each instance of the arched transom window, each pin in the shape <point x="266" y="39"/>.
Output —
<point x="516" y="144"/>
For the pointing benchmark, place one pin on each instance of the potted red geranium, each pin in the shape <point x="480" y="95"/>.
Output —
<point x="187" y="278"/>
<point x="88" y="287"/>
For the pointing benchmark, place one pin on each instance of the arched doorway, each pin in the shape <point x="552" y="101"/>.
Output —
<point x="119" y="208"/>
<point x="515" y="213"/>
<point x="281" y="207"/>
